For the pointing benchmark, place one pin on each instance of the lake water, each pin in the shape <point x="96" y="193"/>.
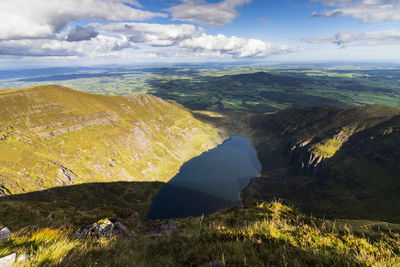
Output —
<point x="209" y="182"/>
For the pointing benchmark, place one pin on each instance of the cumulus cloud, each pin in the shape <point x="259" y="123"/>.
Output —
<point x="234" y="46"/>
<point x="39" y="28"/>
<point x="215" y="14"/>
<point x="81" y="34"/>
<point x="366" y="10"/>
<point x="153" y="34"/>
<point x="344" y="38"/>
<point x="22" y="19"/>
<point x="193" y="38"/>
<point x="99" y="45"/>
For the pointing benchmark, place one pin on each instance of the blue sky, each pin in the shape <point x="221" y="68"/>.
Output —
<point x="87" y="32"/>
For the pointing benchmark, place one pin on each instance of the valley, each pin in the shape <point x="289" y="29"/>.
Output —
<point x="329" y="170"/>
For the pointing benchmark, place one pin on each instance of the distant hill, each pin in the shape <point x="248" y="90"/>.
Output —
<point x="342" y="163"/>
<point x="268" y="78"/>
<point x="55" y="136"/>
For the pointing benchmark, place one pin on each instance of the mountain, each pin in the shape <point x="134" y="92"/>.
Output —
<point x="55" y="136"/>
<point x="91" y="159"/>
<point x="334" y="162"/>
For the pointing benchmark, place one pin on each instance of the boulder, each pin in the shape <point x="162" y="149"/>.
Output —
<point x="164" y="228"/>
<point x="104" y="228"/>
<point x="8" y="261"/>
<point x="5" y="234"/>
<point x="23" y="257"/>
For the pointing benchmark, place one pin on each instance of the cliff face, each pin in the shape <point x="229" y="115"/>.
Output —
<point x="331" y="160"/>
<point x="54" y="136"/>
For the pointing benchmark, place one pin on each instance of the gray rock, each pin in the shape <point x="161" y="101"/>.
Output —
<point x="122" y="227"/>
<point x="106" y="228"/>
<point x="23" y="257"/>
<point x="164" y="228"/>
<point x="8" y="261"/>
<point x="5" y="234"/>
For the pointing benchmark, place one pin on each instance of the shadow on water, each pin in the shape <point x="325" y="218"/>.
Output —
<point x="209" y="182"/>
<point x="179" y="202"/>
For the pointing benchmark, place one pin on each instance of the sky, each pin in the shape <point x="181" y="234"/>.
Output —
<point x="100" y="32"/>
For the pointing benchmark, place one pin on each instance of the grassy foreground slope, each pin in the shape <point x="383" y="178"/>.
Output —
<point x="54" y="136"/>
<point x="343" y="163"/>
<point x="258" y="234"/>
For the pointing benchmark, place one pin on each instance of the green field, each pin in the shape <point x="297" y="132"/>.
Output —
<point x="251" y="88"/>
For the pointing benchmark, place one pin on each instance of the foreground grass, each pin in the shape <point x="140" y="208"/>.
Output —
<point x="260" y="234"/>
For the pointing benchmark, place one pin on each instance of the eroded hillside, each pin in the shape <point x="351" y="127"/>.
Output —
<point x="54" y="136"/>
<point x="331" y="161"/>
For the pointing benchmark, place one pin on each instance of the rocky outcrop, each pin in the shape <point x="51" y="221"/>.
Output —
<point x="6" y="132"/>
<point x="5" y="234"/>
<point x="105" y="228"/>
<point x="8" y="261"/>
<point x="65" y="176"/>
<point x="4" y="191"/>
<point x="82" y="122"/>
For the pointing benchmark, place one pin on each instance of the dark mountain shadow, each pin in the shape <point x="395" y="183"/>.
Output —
<point x="179" y="202"/>
<point x="129" y="202"/>
<point x="78" y="204"/>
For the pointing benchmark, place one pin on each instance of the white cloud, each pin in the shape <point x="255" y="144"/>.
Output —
<point x="233" y="46"/>
<point x="39" y="28"/>
<point x="21" y="19"/>
<point x="186" y="38"/>
<point x="100" y="45"/>
<point x="152" y="34"/>
<point x="194" y="39"/>
<point x="344" y="38"/>
<point x="366" y="10"/>
<point x="198" y="11"/>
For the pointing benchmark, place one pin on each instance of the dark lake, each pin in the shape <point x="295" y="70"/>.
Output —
<point x="209" y="182"/>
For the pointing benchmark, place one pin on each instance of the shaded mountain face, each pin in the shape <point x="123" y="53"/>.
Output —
<point x="54" y="136"/>
<point x="342" y="163"/>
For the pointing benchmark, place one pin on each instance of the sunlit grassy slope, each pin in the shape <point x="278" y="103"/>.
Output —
<point x="258" y="234"/>
<point x="54" y="136"/>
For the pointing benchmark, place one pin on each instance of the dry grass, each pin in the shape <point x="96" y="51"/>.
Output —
<point x="261" y="234"/>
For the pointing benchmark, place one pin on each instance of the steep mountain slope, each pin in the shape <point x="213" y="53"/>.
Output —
<point x="55" y="136"/>
<point x="331" y="161"/>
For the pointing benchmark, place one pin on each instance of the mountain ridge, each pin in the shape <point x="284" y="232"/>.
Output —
<point x="53" y="135"/>
<point x="342" y="163"/>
